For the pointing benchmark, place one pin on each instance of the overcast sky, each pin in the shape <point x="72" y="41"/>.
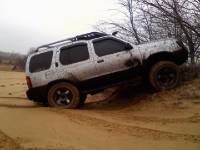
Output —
<point x="30" y="23"/>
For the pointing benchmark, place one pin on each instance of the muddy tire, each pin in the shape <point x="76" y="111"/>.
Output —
<point x="64" y="95"/>
<point x="164" y="75"/>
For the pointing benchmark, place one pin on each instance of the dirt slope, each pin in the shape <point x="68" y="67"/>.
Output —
<point x="129" y="118"/>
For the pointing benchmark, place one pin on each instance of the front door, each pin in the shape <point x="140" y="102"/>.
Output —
<point x="111" y="55"/>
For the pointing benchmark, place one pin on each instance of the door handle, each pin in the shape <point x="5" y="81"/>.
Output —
<point x="100" y="61"/>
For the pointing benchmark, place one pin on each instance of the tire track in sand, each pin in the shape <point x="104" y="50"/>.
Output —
<point x="122" y="128"/>
<point x="7" y="143"/>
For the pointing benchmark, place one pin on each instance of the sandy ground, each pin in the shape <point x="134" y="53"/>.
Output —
<point x="132" y="118"/>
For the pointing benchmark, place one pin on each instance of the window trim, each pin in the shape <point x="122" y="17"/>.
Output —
<point x="106" y="38"/>
<point x="71" y="46"/>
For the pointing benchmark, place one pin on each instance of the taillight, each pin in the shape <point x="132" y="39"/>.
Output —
<point x="28" y="81"/>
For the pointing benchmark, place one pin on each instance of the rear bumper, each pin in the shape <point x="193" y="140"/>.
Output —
<point x="38" y="94"/>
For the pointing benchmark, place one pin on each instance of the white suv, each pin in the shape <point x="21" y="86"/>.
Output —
<point x="64" y="72"/>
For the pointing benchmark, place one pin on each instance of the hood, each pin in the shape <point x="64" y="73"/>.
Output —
<point x="169" y="45"/>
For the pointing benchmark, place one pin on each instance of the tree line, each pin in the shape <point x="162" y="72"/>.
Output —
<point x="16" y="60"/>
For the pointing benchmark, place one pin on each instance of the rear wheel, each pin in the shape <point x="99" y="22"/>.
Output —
<point x="64" y="95"/>
<point x="164" y="75"/>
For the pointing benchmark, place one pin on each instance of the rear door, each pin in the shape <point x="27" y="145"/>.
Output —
<point x="76" y="62"/>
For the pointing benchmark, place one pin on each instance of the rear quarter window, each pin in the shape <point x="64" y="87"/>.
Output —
<point x="40" y="62"/>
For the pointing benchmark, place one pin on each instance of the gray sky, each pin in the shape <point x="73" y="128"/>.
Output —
<point x="30" y="23"/>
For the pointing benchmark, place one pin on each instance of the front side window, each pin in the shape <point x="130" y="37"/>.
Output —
<point x="40" y="62"/>
<point x="108" y="46"/>
<point x="74" y="54"/>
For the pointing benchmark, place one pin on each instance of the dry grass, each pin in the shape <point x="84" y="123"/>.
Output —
<point x="5" y="67"/>
<point x="8" y="67"/>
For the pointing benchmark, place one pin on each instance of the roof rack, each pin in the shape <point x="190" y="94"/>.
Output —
<point x="87" y="36"/>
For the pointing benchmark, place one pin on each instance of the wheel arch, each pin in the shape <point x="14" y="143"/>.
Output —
<point x="160" y="56"/>
<point x="50" y="84"/>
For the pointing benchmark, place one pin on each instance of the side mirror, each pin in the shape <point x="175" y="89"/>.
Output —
<point x="128" y="47"/>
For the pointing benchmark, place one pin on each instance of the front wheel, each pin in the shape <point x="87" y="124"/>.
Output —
<point x="164" y="75"/>
<point x="64" y="95"/>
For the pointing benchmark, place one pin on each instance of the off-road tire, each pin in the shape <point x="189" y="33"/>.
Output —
<point x="74" y="92"/>
<point x="154" y="75"/>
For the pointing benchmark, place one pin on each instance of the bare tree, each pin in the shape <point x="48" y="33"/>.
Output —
<point x="128" y="5"/>
<point x="147" y="20"/>
<point x="129" y="26"/>
<point x="179" y="18"/>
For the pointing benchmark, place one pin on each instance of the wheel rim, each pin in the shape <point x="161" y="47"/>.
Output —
<point x="167" y="77"/>
<point x="62" y="97"/>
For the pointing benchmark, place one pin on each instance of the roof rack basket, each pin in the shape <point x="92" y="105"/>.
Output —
<point x="87" y="36"/>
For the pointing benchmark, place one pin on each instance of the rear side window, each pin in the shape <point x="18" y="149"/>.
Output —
<point x="108" y="46"/>
<point x="40" y="62"/>
<point x="74" y="54"/>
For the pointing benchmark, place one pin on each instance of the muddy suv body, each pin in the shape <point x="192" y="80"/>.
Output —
<point x="64" y="72"/>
